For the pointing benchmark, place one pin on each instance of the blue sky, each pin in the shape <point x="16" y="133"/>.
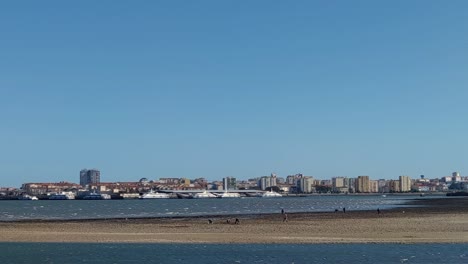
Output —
<point x="232" y="88"/>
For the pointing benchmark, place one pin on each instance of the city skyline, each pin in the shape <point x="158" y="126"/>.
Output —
<point x="93" y="176"/>
<point x="214" y="89"/>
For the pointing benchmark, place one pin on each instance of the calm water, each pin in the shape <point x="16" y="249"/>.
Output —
<point x="86" y="209"/>
<point x="231" y="253"/>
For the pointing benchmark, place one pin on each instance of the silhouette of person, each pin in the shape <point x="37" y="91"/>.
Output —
<point x="282" y="211"/>
<point x="344" y="210"/>
<point x="378" y="210"/>
<point x="237" y="221"/>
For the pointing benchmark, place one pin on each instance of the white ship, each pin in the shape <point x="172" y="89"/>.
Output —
<point x="271" y="194"/>
<point x="229" y="195"/>
<point x="154" y="195"/>
<point x="97" y="196"/>
<point x="203" y="195"/>
<point x="62" y="196"/>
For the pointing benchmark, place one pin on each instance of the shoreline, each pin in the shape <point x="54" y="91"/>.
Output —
<point x="437" y="220"/>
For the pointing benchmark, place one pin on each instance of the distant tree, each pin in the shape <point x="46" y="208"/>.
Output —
<point x="455" y="186"/>
<point x="323" y="189"/>
<point x="273" y="189"/>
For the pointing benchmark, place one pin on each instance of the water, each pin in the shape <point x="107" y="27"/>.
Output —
<point x="231" y="253"/>
<point x="87" y="209"/>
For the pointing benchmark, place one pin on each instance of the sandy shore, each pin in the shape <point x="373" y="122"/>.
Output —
<point x="436" y="220"/>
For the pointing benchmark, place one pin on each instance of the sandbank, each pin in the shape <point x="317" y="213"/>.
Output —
<point x="440" y="220"/>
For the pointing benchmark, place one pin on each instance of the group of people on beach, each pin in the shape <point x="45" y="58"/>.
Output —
<point x="228" y="221"/>
<point x="344" y="210"/>
<point x="283" y="213"/>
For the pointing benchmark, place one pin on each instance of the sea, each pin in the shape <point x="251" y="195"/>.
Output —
<point x="63" y="253"/>
<point x="19" y="252"/>
<point x="17" y="210"/>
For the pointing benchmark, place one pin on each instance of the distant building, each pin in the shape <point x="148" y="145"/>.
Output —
<point x="382" y="186"/>
<point x="373" y="186"/>
<point x="170" y="180"/>
<point x="456" y="177"/>
<point x="306" y="184"/>
<point x="292" y="179"/>
<point x="88" y="177"/>
<point x="267" y="181"/>
<point x="362" y="184"/>
<point x="229" y="183"/>
<point x="405" y="184"/>
<point x="42" y="188"/>
<point x="352" y="185"/>
<point x="338" y="182"/>
<point x="394" y="186"/>
<point x="446" y="179"/>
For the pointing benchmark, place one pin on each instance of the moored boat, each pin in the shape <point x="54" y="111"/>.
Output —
<point x="62" y="196"/>
<point x="203" y="195"/>
<point x="97" y="196"/>
<point x="271" y="194"/>
<point x="228" y="195"/>
<point x="154" y="195"/>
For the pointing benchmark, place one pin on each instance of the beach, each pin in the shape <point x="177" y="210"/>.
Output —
<point x="439" y="220"/>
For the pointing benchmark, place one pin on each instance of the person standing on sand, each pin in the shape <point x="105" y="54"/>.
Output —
<point x="282" y="211"/>
<point x="378" y="210"/>
<point x="344" y="210"/>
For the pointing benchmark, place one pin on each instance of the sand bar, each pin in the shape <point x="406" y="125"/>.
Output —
<point x="435" y="220"/>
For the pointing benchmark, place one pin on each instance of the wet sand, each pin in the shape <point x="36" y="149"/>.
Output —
<point x="438" y="220"/>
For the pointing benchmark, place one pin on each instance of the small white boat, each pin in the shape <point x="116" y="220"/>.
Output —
<point x="383" y="195"/>
<point x="229" y="195"/>
<point x="27" y="197"/>
<point x="271" y="194"/>
<point x="154" y="195"/>
<point x="204" y="195"/>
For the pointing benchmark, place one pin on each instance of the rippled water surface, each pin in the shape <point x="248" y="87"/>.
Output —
<point x="89" y="209"/>
<point x="232" y="253"/>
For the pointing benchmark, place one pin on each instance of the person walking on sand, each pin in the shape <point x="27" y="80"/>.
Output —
<point x="285" y="218"/>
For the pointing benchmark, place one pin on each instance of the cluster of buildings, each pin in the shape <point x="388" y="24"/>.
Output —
<point x="90" y="180"/>
<point x="299" y="183"/>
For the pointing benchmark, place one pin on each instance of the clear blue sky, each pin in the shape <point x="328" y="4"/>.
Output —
<point x="232" y="88"/>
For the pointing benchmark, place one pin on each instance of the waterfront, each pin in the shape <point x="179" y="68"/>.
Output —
<point x="108" y="209"/>
<point x="229" y="253"/>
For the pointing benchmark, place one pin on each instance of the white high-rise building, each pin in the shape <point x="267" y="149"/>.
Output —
<point x="405" y="183"/>
<point x="306" y="184"/>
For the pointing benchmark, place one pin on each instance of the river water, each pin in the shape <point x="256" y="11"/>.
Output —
<point x="99" y="209"/>
<point x="15" y="253"/>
